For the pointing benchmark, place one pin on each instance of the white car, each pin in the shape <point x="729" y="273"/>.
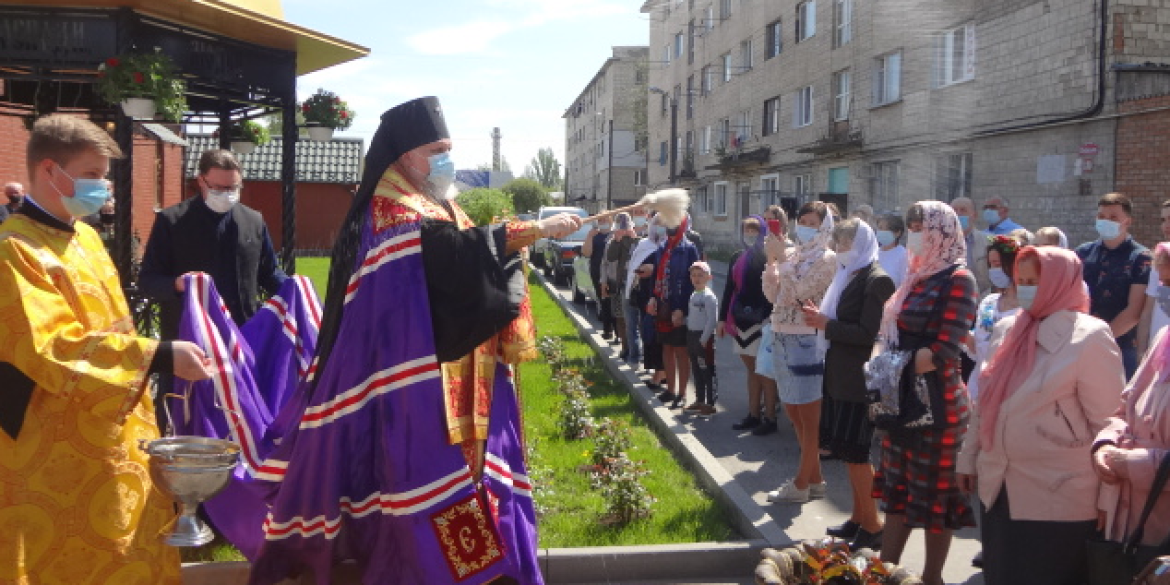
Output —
<point x="541" y="245"/>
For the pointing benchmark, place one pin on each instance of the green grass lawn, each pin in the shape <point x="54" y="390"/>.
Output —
<point x="683" y="513"/>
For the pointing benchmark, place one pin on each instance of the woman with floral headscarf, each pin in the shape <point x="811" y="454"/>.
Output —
<point x="742" y="314"/>
<point x="931" y="313"/>
<point x="793" y="278"/>
<point x="1053" y="379"/>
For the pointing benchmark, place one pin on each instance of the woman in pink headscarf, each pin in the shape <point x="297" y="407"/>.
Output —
<point x="1127" y="452"/>
<point x="930" y="314"/>
<point x="1054" y="377"/>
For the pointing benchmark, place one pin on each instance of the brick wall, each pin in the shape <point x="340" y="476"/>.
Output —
<point x="13" y="137"/>
<point x="321" y="208"/>
<point x="1143" y="148"/>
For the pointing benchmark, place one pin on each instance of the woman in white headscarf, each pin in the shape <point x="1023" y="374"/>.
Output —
<point x="639" y="286"/>
<point x="850" y="318"/>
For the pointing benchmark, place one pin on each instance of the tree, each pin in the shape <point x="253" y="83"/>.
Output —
<point x="527" y="194"/>
<point x="545" y="168"/>
<point x="484" y="205"/>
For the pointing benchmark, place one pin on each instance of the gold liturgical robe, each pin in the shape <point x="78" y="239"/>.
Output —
<point x="76" y="501"/>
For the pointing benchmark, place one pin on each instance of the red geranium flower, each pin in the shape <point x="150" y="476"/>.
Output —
<point x="344" y="114"/>
<point x="138" y="78"/>
<point x="113" y="62"/>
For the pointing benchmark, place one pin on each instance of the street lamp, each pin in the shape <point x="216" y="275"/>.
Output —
<point x="673" y="131"/>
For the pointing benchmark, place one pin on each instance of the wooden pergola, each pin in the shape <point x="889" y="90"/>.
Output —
<point x="240" y="60"/>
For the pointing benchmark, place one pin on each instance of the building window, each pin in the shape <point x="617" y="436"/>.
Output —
<point x="726" y="67"/>
<point x="774" y="40"/>
<point x="745" y="55"/>
<point x="806" y="20"/>
<point x="665" y="102"/>
<point x="743" y="129"/>
<point x="801" y="186"/>
<point x="955" y="56"/>
<point x="724" y="133"/>
<point x="721" y="199"/>
<point x="885" y="185"/>
<point x="771" y="116"/>
<point x="843" y="22"/>
<point x="707" y="79"/>
<point x="691" y="42"/>
<point x="678" y="45"/>
<point x="842" y="99"/>
<point x="637" y="177"/>
<point x="953" y="176"/>
<point x="802" y="113"/>
<point x="769" y="191"/>
<point x="709" y="24"/>
<point x="705" y="140"/>
<point x="666" y="54"/>
<point x="662" y="154"/>
<point x="887" y="79"/>
<point x="724" y="9"/>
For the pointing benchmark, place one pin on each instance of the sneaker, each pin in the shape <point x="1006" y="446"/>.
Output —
<point x="789" y="493"/>
<point x="695" y="406"/>
<point x="817" y="491"/>
<point x="767" y="427"/>
<point x="748" y="423"/>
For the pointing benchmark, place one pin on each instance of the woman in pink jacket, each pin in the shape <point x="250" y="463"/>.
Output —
<point x="1127" y="452"/>
<point x="1054" y="377"/>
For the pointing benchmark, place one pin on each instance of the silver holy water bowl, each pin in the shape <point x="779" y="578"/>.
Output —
<point x="190" y="470"/>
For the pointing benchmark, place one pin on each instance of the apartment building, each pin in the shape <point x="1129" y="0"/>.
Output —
<point x="886" y="102"/>
<point x="605" y="129"/>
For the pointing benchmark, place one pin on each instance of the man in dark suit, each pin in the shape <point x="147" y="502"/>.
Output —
<point x="212" y="233"/>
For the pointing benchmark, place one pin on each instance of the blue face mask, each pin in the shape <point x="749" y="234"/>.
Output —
<point x="991" y="216"/>
<point x="442" y="173"/>
<point x="660" y="232"/>
<point x="1026" y="295"/>
<point x="805" y="234"/>
<point x="88" y="195"/>
<point x="885" y="238"/>
<point x="1108" y="229"/>
<point x="964" y="222"/>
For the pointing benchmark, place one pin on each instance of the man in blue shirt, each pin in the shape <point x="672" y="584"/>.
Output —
<point x="995" y="213"/>
<point x="1117" y="270"/>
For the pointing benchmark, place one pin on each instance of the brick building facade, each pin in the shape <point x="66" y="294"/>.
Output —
<point x="880" y="104"/>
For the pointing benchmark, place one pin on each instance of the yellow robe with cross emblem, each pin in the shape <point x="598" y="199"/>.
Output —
<point x="77" y="504"/>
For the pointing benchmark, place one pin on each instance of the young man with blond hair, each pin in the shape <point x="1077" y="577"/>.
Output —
<point x="76" y="500"/>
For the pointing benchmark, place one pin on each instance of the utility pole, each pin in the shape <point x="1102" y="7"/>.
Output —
<point x="496" y="136"/>
<point x="673" y="139"/>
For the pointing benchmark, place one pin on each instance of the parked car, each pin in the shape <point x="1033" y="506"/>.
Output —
<point x="581" y="283"/>
<point x="559" y="254"/>
<point x="540" y="248"/>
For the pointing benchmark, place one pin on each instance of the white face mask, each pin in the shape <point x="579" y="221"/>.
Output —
<point x="845" y="259"/>
<point x="999" y="278"/>
<point x="221" y="201"/>
<point x="914" y="243"/>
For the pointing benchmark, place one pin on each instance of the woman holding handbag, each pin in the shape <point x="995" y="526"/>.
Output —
<point x="1128" y="450"/>
<point x="930" y="313"/>
<point x="742" y="316"/>
<point x="1053" y="378"/>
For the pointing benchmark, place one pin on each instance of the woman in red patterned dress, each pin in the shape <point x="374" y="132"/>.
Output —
<point x="936" y="303"/>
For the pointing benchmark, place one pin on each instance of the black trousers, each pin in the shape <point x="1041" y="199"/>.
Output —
<point x="1029" y="552"/>
<point x="604" y="306"/>
<point x="702" y="371"/>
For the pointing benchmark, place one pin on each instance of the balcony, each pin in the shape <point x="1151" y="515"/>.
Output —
<point x="841" y="137"/>
<point x="741" y="158"/>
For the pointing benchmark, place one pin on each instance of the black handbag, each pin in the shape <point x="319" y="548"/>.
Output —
<point x="747" y="317"/>
<point x="921" y="400"/>
<point x="1113" y="563"/>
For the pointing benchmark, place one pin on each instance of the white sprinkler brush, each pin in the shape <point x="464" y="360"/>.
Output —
<point x="671" y="205"/>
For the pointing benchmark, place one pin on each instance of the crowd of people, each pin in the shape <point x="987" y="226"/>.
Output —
<point x="1049" y="367"/>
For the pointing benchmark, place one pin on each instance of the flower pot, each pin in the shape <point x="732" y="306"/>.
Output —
<point x="139" y="108"/>
<point x="243" y="146"/>
<point x="320" y="133"/>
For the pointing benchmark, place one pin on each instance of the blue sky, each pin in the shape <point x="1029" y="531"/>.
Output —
<point x="516" y="64"/>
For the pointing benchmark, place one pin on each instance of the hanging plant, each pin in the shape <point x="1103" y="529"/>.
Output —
<point x="325" y="108"/>
<point x="250" y="131"/>
<point x="151" y="77"/>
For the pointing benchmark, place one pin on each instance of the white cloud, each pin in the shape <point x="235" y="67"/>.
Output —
<point x="472" y="37"/>
<point x="477" y="36"/>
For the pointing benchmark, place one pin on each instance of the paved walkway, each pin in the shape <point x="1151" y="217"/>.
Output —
<point x="760" y="464"/>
